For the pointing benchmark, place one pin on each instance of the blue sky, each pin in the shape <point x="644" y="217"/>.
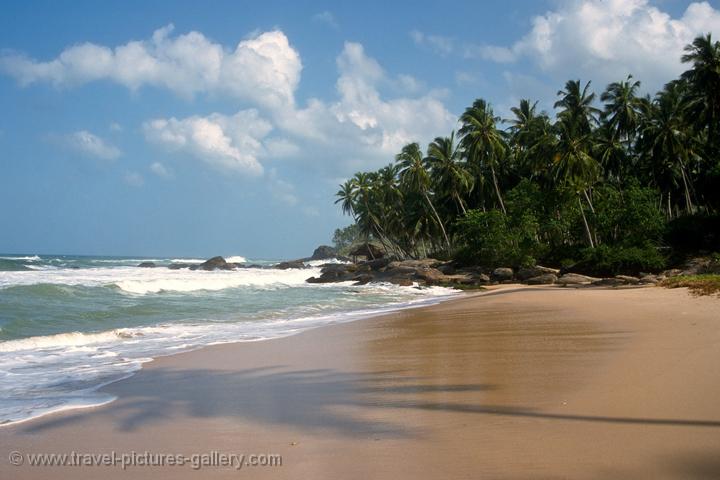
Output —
<point x="203" y="128"/>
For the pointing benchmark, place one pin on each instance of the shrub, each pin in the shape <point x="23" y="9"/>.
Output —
<point x="606" y="260"/>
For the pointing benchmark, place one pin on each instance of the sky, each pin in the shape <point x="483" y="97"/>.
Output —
<point x="185" y="128"/>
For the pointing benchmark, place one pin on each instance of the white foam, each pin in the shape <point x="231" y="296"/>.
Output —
<point x="236" y="259"/>
<point x="33" y="258"/>
<point x="142" y="281"/>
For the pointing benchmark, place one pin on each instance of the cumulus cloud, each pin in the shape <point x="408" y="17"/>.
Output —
<point x="362" y="129"/>
<point x="225" y="142"/>
<point x="264" y="69"/>
<point x="88" y="144"/>
<point x="607" y="40"/>
<point x="438" y="43"/>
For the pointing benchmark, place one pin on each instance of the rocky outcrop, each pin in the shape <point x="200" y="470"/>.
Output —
<point x="215" y="263"/>
<point x="290" y="264"/>
<point x="324" y="252"/>
<point x="147" y="265"/>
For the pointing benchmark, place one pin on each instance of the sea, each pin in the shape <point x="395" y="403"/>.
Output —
<point x="70" y="325"/>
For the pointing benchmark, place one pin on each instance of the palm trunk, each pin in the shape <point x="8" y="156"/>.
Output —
<point x="497" y="189"/>
<point x="688" y="201"/>
<point x="587" y="227"/>
<point x="437" y="218"/>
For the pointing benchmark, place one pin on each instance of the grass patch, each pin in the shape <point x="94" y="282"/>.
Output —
<point x="697" y="284"/>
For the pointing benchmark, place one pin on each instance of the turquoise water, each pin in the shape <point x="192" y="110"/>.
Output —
<point x="70" y="324"/>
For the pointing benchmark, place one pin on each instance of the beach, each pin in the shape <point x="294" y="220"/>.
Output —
<point x="516" y="382"/>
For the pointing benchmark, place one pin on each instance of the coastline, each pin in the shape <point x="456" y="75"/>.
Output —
<point x="525" y="376"/>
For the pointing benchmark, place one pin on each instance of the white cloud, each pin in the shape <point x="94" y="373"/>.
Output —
<point x="115" y="127"/>
<point x="281" y="191"/>
<point x="606" y="40"/>
<point x="361" y="129"/>
<point x="264" y="69"/>
<point x="160" y="170"/>
<point x="225" y="142"/>
<point x="134" y="179"/>
<point x="327" y="18"/>
<point x="89" y="145"/>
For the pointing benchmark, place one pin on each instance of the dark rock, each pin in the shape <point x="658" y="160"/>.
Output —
<point x="447" y="269"/>
<point x="363" y="279"/>
<point x="147" y="265"/>
<point x="401" y="281"/>
<point x="215" y="263"/>
<point x="376" y="264"/>
<point x="575" y="279"/>
<point x="323" y="252"/>
<point x="536" y="271"/>
<point x="649" y="279"/>
<point x="502" y="274"/>
<point x="608" y="282"/>
<point x="290" y="264"/>
<point x="481" y="278"/>
<point x="178" y="266"/>
<point x="544" y="279"/>
<point x="367" y="250"/>
<point x="432" y="276"/>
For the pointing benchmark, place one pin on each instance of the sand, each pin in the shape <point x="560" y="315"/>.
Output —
<point x="516" y="383"/>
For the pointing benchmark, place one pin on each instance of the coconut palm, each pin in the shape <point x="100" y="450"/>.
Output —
<point x="576" y="107"/>
<point x="703" y="80"/>
<point x="483" y="142"/>
<point x="621" y="111"/>
<point x="416" y="178"/>
<point x="447" y="171"/>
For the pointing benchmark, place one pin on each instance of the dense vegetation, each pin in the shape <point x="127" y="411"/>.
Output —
<point x="616" y="184"/>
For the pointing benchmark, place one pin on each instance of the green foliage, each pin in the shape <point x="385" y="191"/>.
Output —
<point x="607" y="260"/>
<point x="628" y="217"/>
<point x="494" y="239"/>
<point x="708" y="284"/>
<point x="693" y="233"/>
<point x="343" y="238"/>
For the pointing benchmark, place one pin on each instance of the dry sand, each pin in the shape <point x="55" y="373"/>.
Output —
<point x="517" y="383"/>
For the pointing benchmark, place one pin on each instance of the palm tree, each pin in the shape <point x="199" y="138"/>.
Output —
<point x="621" y="108"/>
<point x="347" y="196"/>
<point x="667" y="143"/>
<point x="416" y="178"/>
<point x="576" y="107"/>
<point x="527" y="130"/>
<point x="703" y="80"/>
<point x="483" y="142"/>
<point x="447" y="173"/>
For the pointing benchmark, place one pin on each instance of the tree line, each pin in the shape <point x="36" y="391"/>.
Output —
<point x="606" y="179"/>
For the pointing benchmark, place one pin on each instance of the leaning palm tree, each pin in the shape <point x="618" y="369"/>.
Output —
<point x="347" y="196"/>
<point x="482" y="140"/>
<point x="416" y="178"/>
<point x="448" y="174"/>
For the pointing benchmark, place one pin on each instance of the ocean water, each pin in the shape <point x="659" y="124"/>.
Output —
<point x="71" y="324"/>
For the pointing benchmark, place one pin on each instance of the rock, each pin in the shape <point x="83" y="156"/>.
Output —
<point x="323" y="252"/>
<point x="363" y="279"/>
<point x="673" y="272"/>
<point x="178" y="266"/>
<point x="147" y="265"/>
<point x="575" y="279"/>
<point x="481" y="279"/>
<point x="401" y="281"/>
<point x="649" y="279"/>
<point x="367" y="250"/>
<point x="215" y="263"/>
<point x="608" y="282"/>
<point x="423" y="263"/>
<point x="502" y="274"/>
<point x="447" y="269"/>
<point x="628" y="279"/>
<point x="376" y="264"/>
<point x="536" y="271"/>
<point x="432" y="276"/>
<point x="290" y="264"/>
<point x="544" y="279"/>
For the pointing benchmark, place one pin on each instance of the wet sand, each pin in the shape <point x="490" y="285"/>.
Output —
<point x="516" y="383"/>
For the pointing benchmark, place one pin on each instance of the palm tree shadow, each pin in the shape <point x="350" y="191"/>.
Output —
<point x="316" y="400"/>
<point x="311" y="399"/>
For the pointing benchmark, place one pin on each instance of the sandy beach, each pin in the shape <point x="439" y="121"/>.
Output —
<point x="515" y="383"/>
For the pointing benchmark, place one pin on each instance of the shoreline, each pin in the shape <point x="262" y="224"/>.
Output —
<point x="508" y="383"/>
<point x="358" y="315"/>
